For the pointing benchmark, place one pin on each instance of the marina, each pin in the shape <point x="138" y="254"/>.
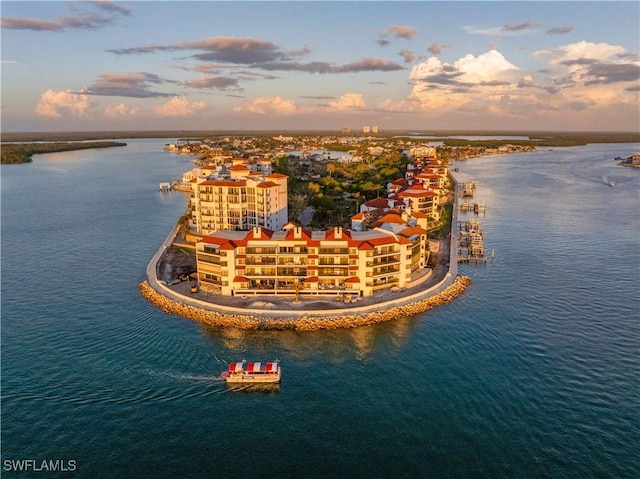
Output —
<point x="471" y="240"/>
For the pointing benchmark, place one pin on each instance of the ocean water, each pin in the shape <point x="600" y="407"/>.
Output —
<point x="532" y="372"/>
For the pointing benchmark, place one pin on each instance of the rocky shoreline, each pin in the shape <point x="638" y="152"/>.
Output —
<point x="303" y="322"/>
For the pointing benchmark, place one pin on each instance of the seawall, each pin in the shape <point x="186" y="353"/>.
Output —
<point x="303" y="320"/>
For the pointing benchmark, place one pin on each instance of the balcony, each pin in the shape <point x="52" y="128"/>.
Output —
<point x="292" y="271"/>
<point x="386" y="270"/>
<point x="386" y="260"/>
<point x="342" y="272"/>
<point x="252" y="260"/>
<point x="208" y="259"/>
<point x="334" y="251"/>
<point x="334" y="261"/>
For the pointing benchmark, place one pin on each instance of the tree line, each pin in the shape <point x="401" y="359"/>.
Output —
<point x="14" y="153"/>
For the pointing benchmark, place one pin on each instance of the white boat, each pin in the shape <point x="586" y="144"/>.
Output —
<point x="257" y="372"/>
<point x="612" y="184"/>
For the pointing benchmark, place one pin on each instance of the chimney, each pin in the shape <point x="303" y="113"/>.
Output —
<point x="257" y="232"/>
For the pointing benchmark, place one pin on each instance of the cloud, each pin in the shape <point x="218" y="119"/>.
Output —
<point x="582" y="50"/>
<point x="510" y="29"/>
<point x="239" y="51"/>
<point x="265" y="105"/>
<point x="488" y="67"/>
<point x="318" y="97"/>
<point x="112" y="7"/>
<point x="480" y="81"/>
<point x="133" y="85"/>
<point x="53" y="104"/>
<point x="366" y="64"/>
<point x="516" y="27"/>
<point x="612" y="73"/>
<point x="560" y="30"/>
<point x="121" y="111"/>
<point x="407" y="55"/>
<point x="218" y="83"/>
<point x="369" y="64"/>
<point x="179" y="106"/>
<point x="311" y="67"/>
<point x="436" y="48"/>
<point x="399" y="31"/>
<point x="76" y="19"/>
<point x="584" y="64"/>
<point x="346" y="102"/>
<point x="581" y="81"/>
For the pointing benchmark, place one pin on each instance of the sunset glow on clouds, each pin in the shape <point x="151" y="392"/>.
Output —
<point x="414" y="65"/>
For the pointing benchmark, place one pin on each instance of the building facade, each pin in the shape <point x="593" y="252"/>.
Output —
<point x="297" y="261"/>
<point x="241" y="201"/>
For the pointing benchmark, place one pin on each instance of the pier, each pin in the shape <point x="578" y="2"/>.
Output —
<point x="468" y="189"/>
<point x="470" y="239"/>
<point x="477" y="208"/>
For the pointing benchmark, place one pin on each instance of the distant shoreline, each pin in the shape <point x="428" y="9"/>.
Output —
<point x="540" y="137"/>
<point x="19" y="153"/>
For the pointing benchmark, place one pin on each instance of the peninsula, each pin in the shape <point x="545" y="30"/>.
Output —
<point x="258" y="267"/>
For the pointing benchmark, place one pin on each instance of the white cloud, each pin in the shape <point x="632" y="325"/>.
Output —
<point x="268" y="105"/>
<point x="52" y="104"/>
<point x="489" y="66"/>
<point x="585" y="50"/>
<point x="179" y="106"/>
<point x="348" y="101"/>
<point x="582" y="84"/>
<point x="120" y="110"/>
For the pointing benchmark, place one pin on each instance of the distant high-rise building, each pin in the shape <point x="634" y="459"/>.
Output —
<point x="346" y="129"/>
<point x="366" y="129"/>
<point x="374" y="129"/>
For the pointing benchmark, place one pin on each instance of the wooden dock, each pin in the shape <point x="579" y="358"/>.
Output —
<point x="471" y="244"/>
<point x="468" y="189"/>
<point x="477" y="208"/>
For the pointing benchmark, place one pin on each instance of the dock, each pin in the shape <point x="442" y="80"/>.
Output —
<point x="477" y="208"/>
<point x="468" y="189"/>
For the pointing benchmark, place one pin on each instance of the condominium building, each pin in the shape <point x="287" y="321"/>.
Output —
<point x="297" y="261"/>
<point x="421" y="199"/>
<point x="239" y="200"/>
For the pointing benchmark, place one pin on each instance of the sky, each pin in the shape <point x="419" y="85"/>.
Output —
<point x="298" y="65"/>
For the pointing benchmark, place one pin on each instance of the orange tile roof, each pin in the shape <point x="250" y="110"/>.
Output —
<point x="266" y="184"/>
<point x="413" y="230"/>
<point x="391" y="218"/>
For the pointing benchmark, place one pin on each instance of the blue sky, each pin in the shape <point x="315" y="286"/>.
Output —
<point x="304" y="65"/>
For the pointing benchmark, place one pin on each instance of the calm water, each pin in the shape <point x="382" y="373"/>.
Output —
<point x="533" y="372"/>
